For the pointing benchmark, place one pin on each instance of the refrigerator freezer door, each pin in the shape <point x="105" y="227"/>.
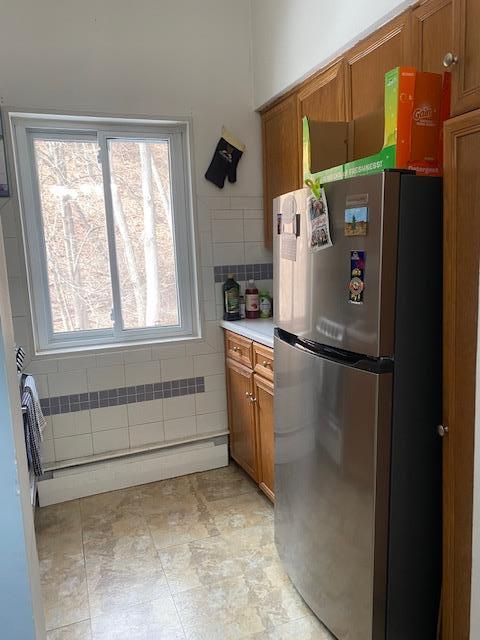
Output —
<point x="332" y="439"/>
<point x="312" y="288"/>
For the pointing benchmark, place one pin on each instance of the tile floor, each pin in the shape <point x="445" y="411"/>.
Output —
<point x="190" y="558"/>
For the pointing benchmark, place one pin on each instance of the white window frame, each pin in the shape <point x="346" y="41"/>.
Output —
<point x="25" y="127"/>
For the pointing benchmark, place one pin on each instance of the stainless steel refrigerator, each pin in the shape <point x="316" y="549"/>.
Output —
<point x="357" y="403"/>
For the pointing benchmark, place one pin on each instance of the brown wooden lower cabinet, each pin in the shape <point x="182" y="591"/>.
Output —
<point x="263" y="393"/>
<point x="250" y="409"/>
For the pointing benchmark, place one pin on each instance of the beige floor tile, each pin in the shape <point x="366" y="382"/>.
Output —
<point x="169" y="495"/>
<point x="64" y="589"/>
<point x="210" y="560"/>
<point x="77" y="631"/>
<point x="247" y="510"/>
<point x="238" y="607"/>
<point x="308" y="628"/>
<point x="58" y="529"/>
<point x="179" y="525"/>
<point x="62" y="566"/>
<point x="227" y="482"/>
<point x="156" y="620"/>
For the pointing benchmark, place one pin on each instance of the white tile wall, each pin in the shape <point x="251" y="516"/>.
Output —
<point x="142" y="373"/>
<point x="211" y="401"/>
<point x="144" y="412"/>
<point x="71" y="424"/>
<point x="109" y="418"/>
<point x="106" y="377"/>
<point x="211" y="422"/>
<point x="177" y="368"/>
<point x="179" y="407"/>
<point x="73" y="447"/>
<point x="180" y="428"/>
<point x="143" y="434"/>
<point x="230" y="231"/>
<point x="67" y="382"/>
<point x="113" y="440"/>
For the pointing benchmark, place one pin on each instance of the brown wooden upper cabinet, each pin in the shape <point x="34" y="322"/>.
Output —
<point x="367" y="63"/>
<point x="432" y="34"/>
<point x="465" y="56"/>
<point x="280" y="155"/>
<point x="322" y="97"/>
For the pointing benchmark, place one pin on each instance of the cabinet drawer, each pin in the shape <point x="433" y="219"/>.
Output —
<point x="238" y="348"/>
<point x="263" y="360"/>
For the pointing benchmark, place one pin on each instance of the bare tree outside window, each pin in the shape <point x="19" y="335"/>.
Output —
<point x="141" y="194"/>
<point x="73" y="217"/>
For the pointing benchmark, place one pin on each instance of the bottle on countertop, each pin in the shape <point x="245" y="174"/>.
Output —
<point x="242" y="307"/>
<point x="231" y="299"/>
<point x="265" y="304"/>
<point x="252" y="302"/>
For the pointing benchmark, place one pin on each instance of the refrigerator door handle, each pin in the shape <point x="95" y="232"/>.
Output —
<point x="348" y="358"/>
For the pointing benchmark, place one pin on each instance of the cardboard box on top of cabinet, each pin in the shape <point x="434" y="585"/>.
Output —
<point x="416" y="105"/>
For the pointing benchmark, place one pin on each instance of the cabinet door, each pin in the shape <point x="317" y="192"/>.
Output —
<point x="367" y="63"/>
<point x="322" y="97"/>
<point x="461" y="263"/>
<point x="281" y="156"/>
<point x="241" y="419"/>
<point x="263" y="390"/>
<point x="466" y="48"/>
<point x="432" y="34"/>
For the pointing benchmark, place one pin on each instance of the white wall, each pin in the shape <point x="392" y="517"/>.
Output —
<point x="294" y="37"/>
<point x="21" y="607"/>
<point x="174" y="57"/>
<point x="168" y="58"/>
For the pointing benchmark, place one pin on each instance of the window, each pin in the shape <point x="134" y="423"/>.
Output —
<point x="109" y="233"/>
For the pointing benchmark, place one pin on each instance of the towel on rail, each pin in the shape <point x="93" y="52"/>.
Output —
<point x="34" y="424"/>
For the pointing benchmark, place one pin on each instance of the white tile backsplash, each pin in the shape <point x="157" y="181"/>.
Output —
<point x="142" y="373"/>
<point x="229" y="231"/>
<point x="253" y="231"/>
<point x="229" y="253"/>
<point x="178" y="407"/>
<point x="210" y="422"/>
<point x="144" y="412"/>
<point x="73" y="447"/>
<point x="257" y="252"/>
<point x="77" y="362"/>
<point x="137" y="355"/>
<point x="60" y="384"/>
<point x="209" y="365"/>
<point x="109" y="417"/>
<point x="177" y="368"/>
<point x="114" y="440"/>
<point x="47" y="451"/>
<point x="106" y="377"/>
<point x="180" y="428"/>
<point x="71" y="424"/>
<point x="211" y="401"/>
<point x="143" y="434"/>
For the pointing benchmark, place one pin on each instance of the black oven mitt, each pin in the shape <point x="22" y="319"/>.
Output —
<point x="225" y="160"/>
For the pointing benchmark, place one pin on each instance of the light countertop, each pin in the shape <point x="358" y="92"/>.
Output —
<point x="260" y="330"/>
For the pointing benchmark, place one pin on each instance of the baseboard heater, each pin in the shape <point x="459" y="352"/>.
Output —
<point x="130" y="469"/>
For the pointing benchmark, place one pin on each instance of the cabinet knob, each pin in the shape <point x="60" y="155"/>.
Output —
<point x="236" y="348"/>
<point x="265" y="363"/>
<point x="252" y="398"/>
<point x="442" y="430"/>
<point x="449" y="59"/>
<point x="248" y="394"/>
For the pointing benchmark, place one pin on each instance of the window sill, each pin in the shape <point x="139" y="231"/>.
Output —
<point x="115" y="346"/>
